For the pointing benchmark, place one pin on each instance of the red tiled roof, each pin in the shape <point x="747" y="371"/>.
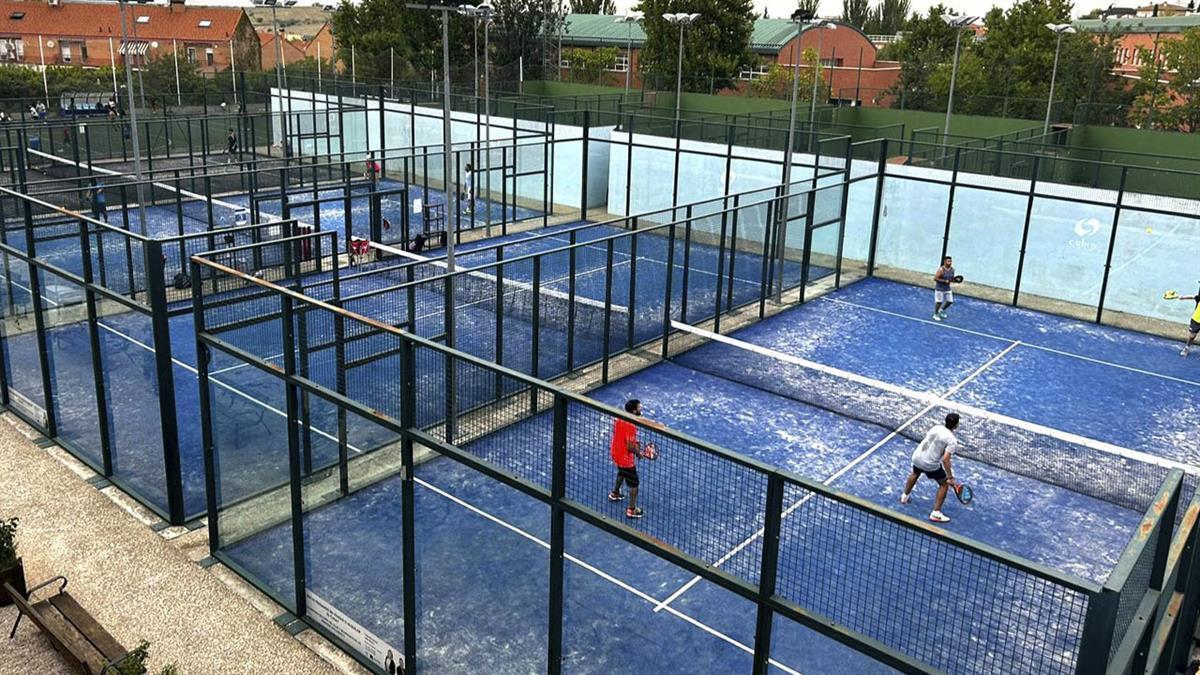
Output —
<point x="102" y="20"/>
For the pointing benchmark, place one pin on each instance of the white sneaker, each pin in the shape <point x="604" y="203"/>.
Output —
<point x="938" y="517"/>
<point x="1184" y="351"/>
<point x="937" y="316"/>
<point x="904" y="497"/>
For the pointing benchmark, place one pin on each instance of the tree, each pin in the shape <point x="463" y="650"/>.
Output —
<point x="808" y="6"/>
<point x="1182" y="60"/>
<point x="587" y="65"/>
<point x="927" y="45"/>
<point x="856" y="12"/>
<point x="716" y="45"/>
<point x="525" y="29"/>
<point x="593" y="7"/>
<point x="777" y="83"/>
<point x="380" y="29"/>
<point x="887" y="18"/>
<point x="1020" y="49"/>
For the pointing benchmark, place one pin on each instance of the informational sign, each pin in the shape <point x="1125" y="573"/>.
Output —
<point x="355" y="636"/>
<point x="25" y="405"/>
<point x="417" y="204"/>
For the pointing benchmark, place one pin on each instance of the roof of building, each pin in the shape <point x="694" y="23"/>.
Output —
<point x="1140" y="24"/>
<point x="768" y="37"/>
<point x="103" y="20"/>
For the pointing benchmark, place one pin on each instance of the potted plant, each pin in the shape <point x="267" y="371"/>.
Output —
<point x="11" y="569"/>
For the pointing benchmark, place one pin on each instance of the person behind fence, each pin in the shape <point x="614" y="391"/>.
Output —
<point x="231" y="146"/>
<point x="625" y="449"/>
<point x="469" y="188"/>
<point x="99" y="201"/>
<point x="417" y="244"/>
<point x="371" y="170"/>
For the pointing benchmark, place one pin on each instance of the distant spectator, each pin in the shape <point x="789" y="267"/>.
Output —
<point x="40" y="109"/>
<point x="4" y="117"/>
<point x="99" y="201"/>
<point x="224" y="105"/>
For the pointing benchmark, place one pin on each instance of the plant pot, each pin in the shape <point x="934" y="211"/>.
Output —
<point x="15" y="576"/>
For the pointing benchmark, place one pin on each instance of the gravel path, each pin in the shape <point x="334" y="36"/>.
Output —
<point x="137" y="583"/>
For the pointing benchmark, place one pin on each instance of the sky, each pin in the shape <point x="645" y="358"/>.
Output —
<point x="833" y="8"/>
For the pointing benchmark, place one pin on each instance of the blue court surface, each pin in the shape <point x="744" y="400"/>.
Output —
<point x="482" y="554"/>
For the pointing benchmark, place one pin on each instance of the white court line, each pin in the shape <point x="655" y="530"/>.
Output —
<point x="840" y="472"/>
<point x="660" y="262"/>
<point x="1043" y="348"/>
<point x="594" y="570"/>
<point x="600" y="573"/>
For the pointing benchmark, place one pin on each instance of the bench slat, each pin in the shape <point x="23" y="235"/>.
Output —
<point x="101" y="639"/>
<point x="75" y="644"/>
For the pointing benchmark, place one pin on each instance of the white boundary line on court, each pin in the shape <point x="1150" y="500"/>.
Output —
<point x="658" y="262"/>
<point x="584" y="565"/>
<point x="598" y="572"/>
<point x="991" y="336"/>
<point x="837" y="474"/>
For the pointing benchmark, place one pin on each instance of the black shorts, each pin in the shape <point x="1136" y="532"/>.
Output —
<point x="629" y="473"/>
<point x="1193" y="327"/>
<point x="938" y="474"/>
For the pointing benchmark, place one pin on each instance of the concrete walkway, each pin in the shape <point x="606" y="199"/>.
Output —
<point x="138" y="583"/>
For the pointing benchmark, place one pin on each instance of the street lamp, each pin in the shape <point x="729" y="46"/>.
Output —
<point x="629" y="19"/>
<point x="957" y="23"/>
<point x="682" y="20"/>
<point x="812" y="114"/>
<point x="484" y="13"/>
<point x="1060" y="29"/>
<point x="447" y="155"/>
<point x="804" y="21"/>
<point x="133" y="126"/>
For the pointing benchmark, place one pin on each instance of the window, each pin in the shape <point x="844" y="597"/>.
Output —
<point x="17" y="16"/>
<point x="621" y="65"/>
<point x="209" y="57"/>
<point x="143" y="19"/>
<point x="191" y="54"/>
<point x="66" y="51"/>
<point x="205" y="23"/>
<point x="12" y="49"/>
<point x="83" y="56"/>
<point x="753" y="72"/>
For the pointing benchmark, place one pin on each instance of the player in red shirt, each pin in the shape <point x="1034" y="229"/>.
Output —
<point x="625" y="450"/>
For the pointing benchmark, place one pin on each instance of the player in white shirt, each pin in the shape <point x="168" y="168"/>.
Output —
<point x="932" y="458"/>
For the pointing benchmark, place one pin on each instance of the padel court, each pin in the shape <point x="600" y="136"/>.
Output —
<point x="483" y="547"/>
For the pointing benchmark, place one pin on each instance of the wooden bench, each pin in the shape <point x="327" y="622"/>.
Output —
<point x="74" y="633"/>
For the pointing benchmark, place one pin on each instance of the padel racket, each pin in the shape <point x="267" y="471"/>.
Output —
<point x="1171" y="295"/>
<point x="650" y="452"/>
<point x="957" y="279"/>
<point x="964" y="493"/>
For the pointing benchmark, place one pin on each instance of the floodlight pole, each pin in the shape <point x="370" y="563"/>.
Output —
<point x="812" y="114"/>
<point x="1061" y="31"/>
<point x="801" y="20"/>
<point x="958" y="23"/>
<point x="953" y="77"/>
<point x="628" y="57"/>
<point x="133" y="125"/>
<point x="487" y="124"/>
<point x="178" y="92"/>
<point x="679" y="79"/>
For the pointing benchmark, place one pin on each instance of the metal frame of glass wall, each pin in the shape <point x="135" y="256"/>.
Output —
<point x="1123" y="623"/>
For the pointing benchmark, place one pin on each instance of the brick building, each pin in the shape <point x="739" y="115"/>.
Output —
<point x="853" y="71"/>
<point x="1133" y="33"/>
<point x="87" y="34"/>
<point x="292" y="50"/>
